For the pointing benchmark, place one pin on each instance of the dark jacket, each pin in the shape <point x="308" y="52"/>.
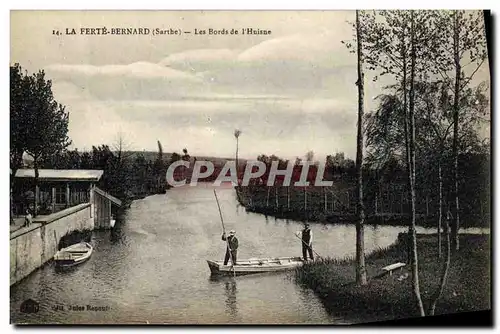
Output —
<point x="232" y="241"/>
<point x="306" y="235"/>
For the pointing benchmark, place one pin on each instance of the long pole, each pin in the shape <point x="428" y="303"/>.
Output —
<point x="224" y="231"/>
<point x="308" y="246"/>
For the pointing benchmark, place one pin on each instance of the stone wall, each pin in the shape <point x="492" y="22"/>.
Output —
<point x="33" y="246"/>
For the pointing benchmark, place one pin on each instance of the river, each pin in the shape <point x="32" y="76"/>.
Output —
<point x="151" y="268"/>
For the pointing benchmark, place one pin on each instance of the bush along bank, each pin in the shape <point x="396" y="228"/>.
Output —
<point x="390" y="297"/>
<point x="318" y="204"/>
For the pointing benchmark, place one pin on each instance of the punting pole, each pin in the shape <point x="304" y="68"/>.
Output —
<point x="307" y="245"/>
<point x="224" y="231"/>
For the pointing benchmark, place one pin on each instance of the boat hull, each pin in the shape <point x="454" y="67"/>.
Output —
<point x="73" y="255"/>
<point x="255" y="266"/>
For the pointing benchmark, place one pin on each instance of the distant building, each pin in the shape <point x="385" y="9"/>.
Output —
<point x="56" y="190"/>
<point x="59" y="189"/>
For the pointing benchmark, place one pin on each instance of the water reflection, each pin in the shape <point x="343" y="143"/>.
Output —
<point x="230" y="291"/>
<point x="138" y="270"/>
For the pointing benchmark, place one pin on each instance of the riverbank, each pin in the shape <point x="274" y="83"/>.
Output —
<point x="321" y="205"/>
<point x="468" y="286"/>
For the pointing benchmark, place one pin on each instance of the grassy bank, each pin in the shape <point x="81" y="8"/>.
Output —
<point x="390" y="297"/>
<point x="336" y="204"/>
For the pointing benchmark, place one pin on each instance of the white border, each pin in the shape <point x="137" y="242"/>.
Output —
<point x="185" y="4"/>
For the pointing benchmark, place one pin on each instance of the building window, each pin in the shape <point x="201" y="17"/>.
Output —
<point x="60" y="195"/>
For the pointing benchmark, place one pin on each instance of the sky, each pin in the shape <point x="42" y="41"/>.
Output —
<point x="288" y="92"/>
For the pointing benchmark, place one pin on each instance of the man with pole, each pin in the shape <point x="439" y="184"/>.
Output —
<point x="306" y="236"/>
<point x="232" y="247"/>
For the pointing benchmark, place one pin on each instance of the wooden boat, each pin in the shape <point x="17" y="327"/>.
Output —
<point x="73" y="255"/>
<point x="253" y="266"/>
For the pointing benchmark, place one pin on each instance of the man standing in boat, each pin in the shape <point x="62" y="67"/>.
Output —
<point x="232" y="247"/>
<point x="306" y="236"/>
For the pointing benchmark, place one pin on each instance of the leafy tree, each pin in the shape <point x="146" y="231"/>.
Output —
<point x="18" y="106"/>
<point x="86" y="160"/>
<point x="398" y="43"/>
<point x="46" y="121"/>
<point x="185" y="155"/>
<point x="175" y="157"/>
<point x="462" y="44"/>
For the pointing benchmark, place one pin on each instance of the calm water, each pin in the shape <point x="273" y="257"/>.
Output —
<point x="152" y="267"/>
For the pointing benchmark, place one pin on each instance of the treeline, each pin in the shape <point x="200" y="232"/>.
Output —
<point x="384" y="188"/>
<point x="126" y="175"/>
<point x="429" y="123"/>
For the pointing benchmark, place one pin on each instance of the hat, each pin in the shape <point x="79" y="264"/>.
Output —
<point x="232" y="232"/>
<point x="306" y="224"/>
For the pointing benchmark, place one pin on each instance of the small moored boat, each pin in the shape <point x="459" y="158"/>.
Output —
<point x="253" y="266"/>
<point x="73" y="255"/>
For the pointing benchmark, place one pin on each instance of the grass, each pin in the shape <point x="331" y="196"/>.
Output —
<point x="468" y="287"/>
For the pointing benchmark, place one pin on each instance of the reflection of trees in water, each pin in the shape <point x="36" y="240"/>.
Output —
<point x="230" y="290"/>
<point x="376" y="236"/>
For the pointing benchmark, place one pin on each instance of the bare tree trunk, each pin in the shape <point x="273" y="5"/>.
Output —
<point x="325" y="199"/>
<point x="288" y="197"/>
<point x="276" y="201"/>
<point x="411" y="155"/>
<point x="456" y="52"/>
<point x="440" y="209"/>
<point x="444" y="274"/>
<point x="237" y="175"/>
<point x="427" y="206"/>
<point x="36" y="193"/>
<point x="348" y="201"/>
<point x="360" y="242"/>
<point x="305" y="199"/>
<point x="401" y="201"/>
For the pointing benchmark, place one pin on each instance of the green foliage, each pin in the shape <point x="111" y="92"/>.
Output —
<point x="123" y="177"/>
<point x="389" y="297"/>
<point x="45" y="121"/>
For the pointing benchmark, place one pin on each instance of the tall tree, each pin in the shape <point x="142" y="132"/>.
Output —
<point x="185" y="155"/>
<point x="159" y="170"/>
<point x="237" y="134"/>
<point x="309" y="156"/>
<point x="18" y="105"/>
<point x="411" y="167"/>
<point x="468" y="41"/>
<point x="360" y="239"/>
<point x="391" y="44"/>
<point x="461" y="53"/>
<point x="46" y="122"/>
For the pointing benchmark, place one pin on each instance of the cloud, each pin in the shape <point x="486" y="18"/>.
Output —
<point x="310" y="48"/>
<point x="199" y="60"/>
<point x="141" y="70"/>
<point x="140" y="80"/>
<point x="294" y="65"/>
<point x="287" y="127"/>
